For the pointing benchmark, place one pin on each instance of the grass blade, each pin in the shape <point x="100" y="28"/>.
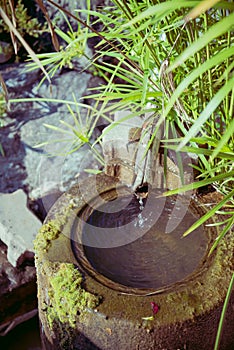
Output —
<point x="209" y="214"/>
<point x="2" y="151"/>
<point x="221" y="321"/>
<point x="212" y="62"/>
<point x="224" y="140"/>
<point x="56" y="128"/>
<point x="206" y="113"/>
<point x="24" y="43"/>
<point x="159" y="10"/>
<point x="222" y="234"/>
<point x="213" y="32"/>
<point x="198" y="184"/>
<point x="203" y="151"/>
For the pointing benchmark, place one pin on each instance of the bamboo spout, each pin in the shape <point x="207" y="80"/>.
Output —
<point x="125" y="150"/>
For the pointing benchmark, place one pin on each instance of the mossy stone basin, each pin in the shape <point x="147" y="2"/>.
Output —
<point x="83" y="306"/>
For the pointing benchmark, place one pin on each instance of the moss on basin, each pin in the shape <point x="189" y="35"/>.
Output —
<point x="48" y="232"/>
<point x="67" y="297"/>
<point x="51" y="229"/>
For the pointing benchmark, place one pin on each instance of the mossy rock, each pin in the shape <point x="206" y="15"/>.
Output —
<point x="78" y="311"/>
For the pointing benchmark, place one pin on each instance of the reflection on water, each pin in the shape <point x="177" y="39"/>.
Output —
<point x="160" y="256"/>
<point x="26" y="336"/>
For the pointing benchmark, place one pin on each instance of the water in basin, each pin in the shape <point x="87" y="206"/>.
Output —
<point x="155" y="253"/>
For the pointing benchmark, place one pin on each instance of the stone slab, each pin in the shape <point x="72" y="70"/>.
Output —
<point x="29" y="168"/>
<point x="18" y="226"/>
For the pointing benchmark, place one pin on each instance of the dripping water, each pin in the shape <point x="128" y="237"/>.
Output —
<point x="141" y="192"/>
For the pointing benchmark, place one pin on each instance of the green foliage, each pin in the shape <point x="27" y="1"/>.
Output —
<point x="48" y="232"/>
<point x="155" y="59"/>
<point x="183" y="68"/>
<point x="24" y="23"/>
<point x="73" y="47"/>
<point x="3" y="109"/>
<point x="79" y="132"/>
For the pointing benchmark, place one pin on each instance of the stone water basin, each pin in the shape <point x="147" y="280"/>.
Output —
<point x="104" y="259"/>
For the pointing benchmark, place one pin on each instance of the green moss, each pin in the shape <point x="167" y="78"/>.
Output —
<point x="51" y="230"/>
<point x="48" y="232"/>
<point x="67" y="297"/>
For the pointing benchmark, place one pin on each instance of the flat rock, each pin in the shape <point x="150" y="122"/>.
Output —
<point x="29" y="168"/>
<point x="18" y="226"/>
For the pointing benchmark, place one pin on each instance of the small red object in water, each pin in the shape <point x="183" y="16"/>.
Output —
<point x="154" y="307"/>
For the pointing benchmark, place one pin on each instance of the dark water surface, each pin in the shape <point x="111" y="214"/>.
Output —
<point x="140" y="244"/>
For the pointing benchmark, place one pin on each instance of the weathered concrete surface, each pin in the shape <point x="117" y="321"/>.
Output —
<point x="18" y="226"/>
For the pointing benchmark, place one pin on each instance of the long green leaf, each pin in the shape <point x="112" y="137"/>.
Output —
<point x="213" y="61"/>
<point x="206" y="113"/>
<point x="213" y="32"/>
<point x="223" y="233"/>
<point x="93" y="171"/>
<point x="201" y="151"/>
<point x="201" y="8"/>
<point x="225" y="305"/>
<point x="159" y="10"/>
<point x="198" y="184"/>
<point x="224" y="140"/>
<point x="209" y="214"/>
<point x="56" y="128"/>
